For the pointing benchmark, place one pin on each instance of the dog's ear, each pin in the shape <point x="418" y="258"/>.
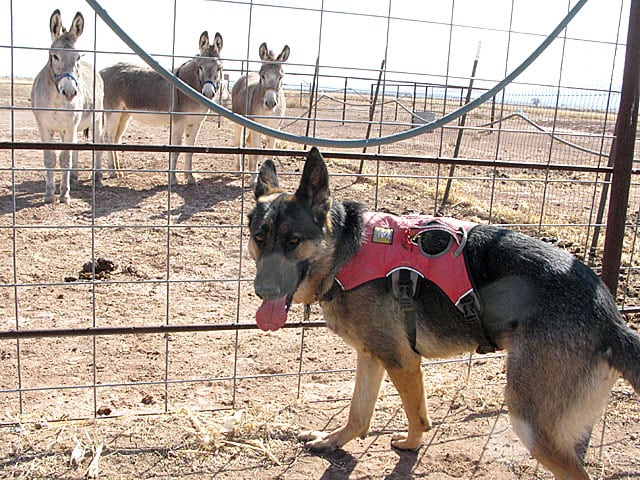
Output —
<point x="267" y="179"/>
<point x="314" y="185"/>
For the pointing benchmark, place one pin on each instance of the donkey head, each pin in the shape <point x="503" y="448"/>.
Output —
<point x="271" y="74"/>
<point x="209" y="64"/>
<point x="64" y="61"/>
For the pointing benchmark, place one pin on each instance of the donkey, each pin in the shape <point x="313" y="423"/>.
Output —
<point x="130" y="90"/>
<point x="260" y="94"/>
<point x="66" y="98"/>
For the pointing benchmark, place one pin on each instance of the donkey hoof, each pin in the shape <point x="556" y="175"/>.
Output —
<point x="65" y="199"/>
<point x="191" y="180"/>
<point x="49" y="198"/>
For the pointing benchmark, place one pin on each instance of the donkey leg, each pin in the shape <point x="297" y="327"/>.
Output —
<point x="238" y="131"/>
<point x="255" y="141"/>
<point x="122" y="121"/>
<point x="190" y="136"/>
<point x="177" y="135"/>
<point x="74" y="168"/>
<point x="49" y="161"/>
<point x="97" y="168"/>
<point x="65" y="166"/>
<point x="66" y="163"/>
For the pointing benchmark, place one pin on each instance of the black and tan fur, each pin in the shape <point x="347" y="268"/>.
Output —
<point x="565" y="339"/>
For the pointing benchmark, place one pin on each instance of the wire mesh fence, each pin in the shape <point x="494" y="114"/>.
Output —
<point x="137" y="297"/>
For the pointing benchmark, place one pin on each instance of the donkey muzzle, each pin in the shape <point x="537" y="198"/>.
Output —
<point x="67" y="85"/>
<point x="270" y="99"/>
<point x="209" y="89"/>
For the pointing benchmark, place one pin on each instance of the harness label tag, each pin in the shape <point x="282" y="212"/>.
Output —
<point x="382" y="235"/>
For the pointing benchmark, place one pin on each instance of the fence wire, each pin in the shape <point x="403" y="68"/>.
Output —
<point x="137" y="298"/>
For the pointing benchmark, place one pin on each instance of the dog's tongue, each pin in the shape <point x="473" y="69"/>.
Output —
<point x="272" y="314"/>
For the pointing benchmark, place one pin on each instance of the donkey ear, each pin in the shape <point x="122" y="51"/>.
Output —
<point x="55" y="25"/>
<point x="217" y="41"/>
<point x="77" y="26"/>
<point x="263" y="51"/>
<point x="284" y="54"/>
<point x="314" y="185"/>
<point x="267" y="179"/>
<point x="203" y="43"/>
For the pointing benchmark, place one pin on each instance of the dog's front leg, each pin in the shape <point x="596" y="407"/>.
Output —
<point x="409" y="383"/>
<point x="369" y="374"/>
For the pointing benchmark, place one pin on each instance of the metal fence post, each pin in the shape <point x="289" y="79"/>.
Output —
<point x="622" y="152"/>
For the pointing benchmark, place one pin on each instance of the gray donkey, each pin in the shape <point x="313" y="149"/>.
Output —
<point x="66" y="97"/>
<point x="140" y="91"/>
<point x="260" y="95"/>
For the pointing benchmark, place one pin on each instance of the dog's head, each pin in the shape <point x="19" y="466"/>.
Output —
<point x="290" y="239"/>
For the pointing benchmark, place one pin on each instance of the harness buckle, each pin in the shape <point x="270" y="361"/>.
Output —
<point x="405" y="296"/>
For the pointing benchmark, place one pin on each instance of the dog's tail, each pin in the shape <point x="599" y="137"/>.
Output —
<point x="625" y="356"/>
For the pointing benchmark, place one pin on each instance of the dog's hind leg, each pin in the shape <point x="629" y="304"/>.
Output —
<point x="560" y="459"/>
<point x="553" y="408"/>
<point x="409" y="383"/>
<point x="369" y="374"/>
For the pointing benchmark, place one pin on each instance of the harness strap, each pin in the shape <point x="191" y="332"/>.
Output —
<point x="469" y="308"/>
<point x="405" y="293"/>
<point x="404" y="288"/>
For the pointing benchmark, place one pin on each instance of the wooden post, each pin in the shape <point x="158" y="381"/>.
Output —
<point x="372" y="110"/>
<point x="463" y="119"/>
<point x="312" y="95"/>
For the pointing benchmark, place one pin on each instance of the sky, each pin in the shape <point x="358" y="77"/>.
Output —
<point x="351" y="36"/>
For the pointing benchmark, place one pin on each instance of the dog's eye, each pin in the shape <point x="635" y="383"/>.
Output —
<point x="258" y="238"/>
<point x="293" y="242"/>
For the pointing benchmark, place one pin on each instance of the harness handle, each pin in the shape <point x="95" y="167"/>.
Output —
<point x="460" y="236"/>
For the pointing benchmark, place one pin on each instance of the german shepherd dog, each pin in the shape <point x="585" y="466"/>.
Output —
<point x="565" y="338"/>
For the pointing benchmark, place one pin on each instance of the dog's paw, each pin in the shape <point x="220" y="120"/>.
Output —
<point x="317" y="441"/>
<point x="401" y="441"/>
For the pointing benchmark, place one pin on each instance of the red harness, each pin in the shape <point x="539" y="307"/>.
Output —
<point x="392" y="243"/>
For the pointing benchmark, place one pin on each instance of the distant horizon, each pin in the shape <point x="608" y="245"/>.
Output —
<point x="418" y="40"/>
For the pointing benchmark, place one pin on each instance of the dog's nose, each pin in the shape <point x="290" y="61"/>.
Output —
<point x="267" y="292"/>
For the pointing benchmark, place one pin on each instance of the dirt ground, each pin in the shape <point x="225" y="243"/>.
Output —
<point x="225" y="403"/>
